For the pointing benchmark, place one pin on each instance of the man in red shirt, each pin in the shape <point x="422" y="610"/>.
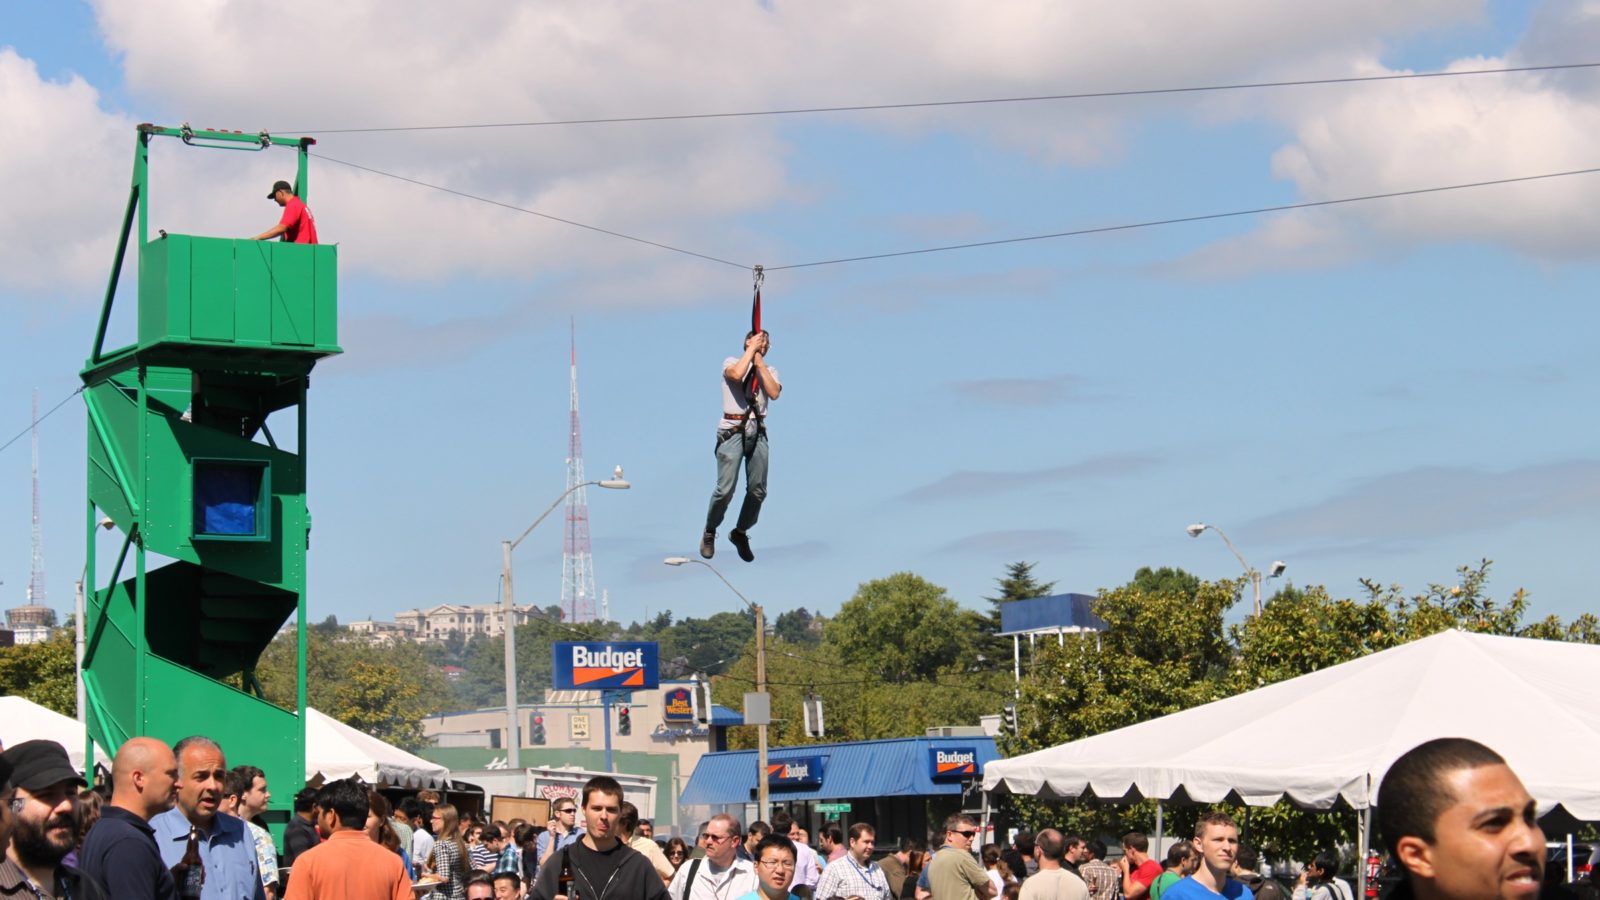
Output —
<point x="1138" y="870"/>
<point x="297" y="225"/>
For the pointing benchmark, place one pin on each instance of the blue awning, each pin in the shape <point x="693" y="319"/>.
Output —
<point x="899" y="767"/>
<point x="721" y="715"/>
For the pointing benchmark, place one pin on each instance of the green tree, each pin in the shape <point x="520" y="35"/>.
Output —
<point x="799" y="626"/>
<point x="45" y="672"/>
<point x="901" y="628"/>
<point x="381" y="700"/>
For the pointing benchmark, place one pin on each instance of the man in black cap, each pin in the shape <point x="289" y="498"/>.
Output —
<point x="46" y="826"/>
<point x="121" y="849"/>
<point x="297" y="226"/>
<point x="7" y="794"/>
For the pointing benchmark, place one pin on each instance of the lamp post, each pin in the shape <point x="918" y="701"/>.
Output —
<point x="1254" y="574"/>
<point x="513" y="744"/>
<point x="761" y="678"/>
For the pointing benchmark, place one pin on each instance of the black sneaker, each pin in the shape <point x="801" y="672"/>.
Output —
<point x="741" y="543"/>
<point x="708" y="544"/>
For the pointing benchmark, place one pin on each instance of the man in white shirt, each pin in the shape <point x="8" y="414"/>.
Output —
<point x="720" y="874"/>
<point x="748" y="383"/>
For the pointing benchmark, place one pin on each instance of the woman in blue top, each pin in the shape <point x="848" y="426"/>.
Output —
<point x="774" y="856"/>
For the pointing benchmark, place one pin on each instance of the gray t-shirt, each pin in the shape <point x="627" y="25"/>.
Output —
<point x="733" y="401"/>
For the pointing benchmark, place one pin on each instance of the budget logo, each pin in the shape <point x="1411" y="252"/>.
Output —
<point x="611" y="665"/>
<point x="802" y="772"/>
<point x="955" y="762"/>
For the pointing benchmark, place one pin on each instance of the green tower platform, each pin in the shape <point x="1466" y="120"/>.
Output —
<point x="182" y="461"/>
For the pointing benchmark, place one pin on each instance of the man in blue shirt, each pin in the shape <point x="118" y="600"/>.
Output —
<point x="226" y="846"/>
<point x="1216" y="836"/>
<point x="562" y="831"/>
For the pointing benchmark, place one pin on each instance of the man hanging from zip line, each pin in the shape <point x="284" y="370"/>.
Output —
<point x="748" y="384"/>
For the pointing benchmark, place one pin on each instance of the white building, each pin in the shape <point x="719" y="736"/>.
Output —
<point x="438" y="622"/>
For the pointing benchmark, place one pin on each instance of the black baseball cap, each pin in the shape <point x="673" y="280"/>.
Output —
<point x="279" y="186"/>
<point x="36" y="765"/>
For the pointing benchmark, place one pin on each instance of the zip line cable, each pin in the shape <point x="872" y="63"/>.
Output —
<point x="1100" y="229"/>
<point x="874" y="107"/>
<point x="533" y="212"/>
<point x="1103" y="229"/>
<point x="24" y="431"/>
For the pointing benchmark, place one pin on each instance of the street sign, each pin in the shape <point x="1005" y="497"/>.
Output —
<point x="833" y="807"/>
<point x="578" y="723"/>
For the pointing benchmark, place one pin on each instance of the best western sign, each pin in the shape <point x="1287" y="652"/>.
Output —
<point x="801" y="771"/>
<point x="953" y="763"/>
<point x="677" y="706"/>
<point x="609" y="665"/>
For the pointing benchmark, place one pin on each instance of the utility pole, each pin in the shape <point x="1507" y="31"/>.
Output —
<point x="761" y="730"/>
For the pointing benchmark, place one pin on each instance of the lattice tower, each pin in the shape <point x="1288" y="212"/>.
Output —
<point x="36" y="589"/>
<point x="577" y="562"/>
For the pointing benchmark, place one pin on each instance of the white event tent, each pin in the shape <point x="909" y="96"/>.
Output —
<point x="333" y="749"/>
<point x="1330" y="735"/>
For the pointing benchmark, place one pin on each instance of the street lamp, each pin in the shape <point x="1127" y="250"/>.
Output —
<point x="1278" y="566"/>
<point x="513" y="744"/>
<point x="761" y="678"/>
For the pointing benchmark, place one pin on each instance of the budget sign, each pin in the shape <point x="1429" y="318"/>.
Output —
<point x="605" y="665"/>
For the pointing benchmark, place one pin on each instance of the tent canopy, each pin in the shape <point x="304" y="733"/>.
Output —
<point x="334" y="750"/>
<point x="1330" y="735"/>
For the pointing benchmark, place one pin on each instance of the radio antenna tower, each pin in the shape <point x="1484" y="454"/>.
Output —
<point x="577" y="563"/>
<point x="36" y="579"/>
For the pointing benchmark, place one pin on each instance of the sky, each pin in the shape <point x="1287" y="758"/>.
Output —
<point x="1387" y="389"/>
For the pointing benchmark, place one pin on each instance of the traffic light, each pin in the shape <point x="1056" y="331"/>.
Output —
<point x="538" y="729"/>
<point x="1010" y="720"/>
<point x="624" y="722"/>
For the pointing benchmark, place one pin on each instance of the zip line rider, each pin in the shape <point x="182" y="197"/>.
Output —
<point x="748" y="384"/>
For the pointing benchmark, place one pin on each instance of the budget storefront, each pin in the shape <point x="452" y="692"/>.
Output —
<point x="899" y="786"/>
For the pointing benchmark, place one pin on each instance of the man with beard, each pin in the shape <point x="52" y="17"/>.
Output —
<point x="226" y="848"/>
<point x="45" y="827"/>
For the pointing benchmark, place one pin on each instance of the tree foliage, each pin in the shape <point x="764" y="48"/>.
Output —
<point x="902" y="628"/>
<point x="45" y="672"/>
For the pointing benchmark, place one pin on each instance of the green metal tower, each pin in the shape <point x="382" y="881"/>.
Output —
<point x="183" y="462"/>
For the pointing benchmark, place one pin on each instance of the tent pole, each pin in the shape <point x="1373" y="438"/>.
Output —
<point x="1364" y="836"/>
<point x="1160" y="831"/>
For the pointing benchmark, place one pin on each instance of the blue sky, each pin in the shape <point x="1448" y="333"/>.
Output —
<point x="1383" y="390"/>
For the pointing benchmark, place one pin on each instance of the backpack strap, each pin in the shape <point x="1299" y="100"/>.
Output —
<point x="688" y="882"/>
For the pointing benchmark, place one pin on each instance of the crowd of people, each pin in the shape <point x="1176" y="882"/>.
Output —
<point x="177" y="822"/>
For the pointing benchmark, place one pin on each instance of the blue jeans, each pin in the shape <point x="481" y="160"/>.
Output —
<point x="729" y="452"/>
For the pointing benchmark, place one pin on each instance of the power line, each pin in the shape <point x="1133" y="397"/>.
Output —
<point x="1310" y="204"/>
<point x="533" y="212"/>
<point x="41" y="419"/>
<point x="874" y="107"/>
<point x="943" y="248"/>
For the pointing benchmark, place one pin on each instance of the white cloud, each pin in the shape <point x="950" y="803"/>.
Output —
<point x="304" y="65"/>
<point x="1404" y="135"/>
<point x="66" y="163"/>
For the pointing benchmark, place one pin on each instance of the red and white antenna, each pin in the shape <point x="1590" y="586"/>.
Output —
<point x="577" y="562"/>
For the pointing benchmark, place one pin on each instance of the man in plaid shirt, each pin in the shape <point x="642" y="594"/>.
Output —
<point x="855" y="875"/>
<point x="1103" y="879"/>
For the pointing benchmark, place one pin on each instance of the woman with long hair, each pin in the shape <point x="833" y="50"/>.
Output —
<point x="677" y="852"/>
<point x="999" y="873"/>
<point x="380" y="827"/>
<point x="448" y="860"/>
<point x="915" y="860"/>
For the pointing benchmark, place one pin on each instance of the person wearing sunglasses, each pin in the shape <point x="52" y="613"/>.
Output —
<point x="720" y="874"/>
<point x="954" y="874"/>
<point x="562" y="830"/>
